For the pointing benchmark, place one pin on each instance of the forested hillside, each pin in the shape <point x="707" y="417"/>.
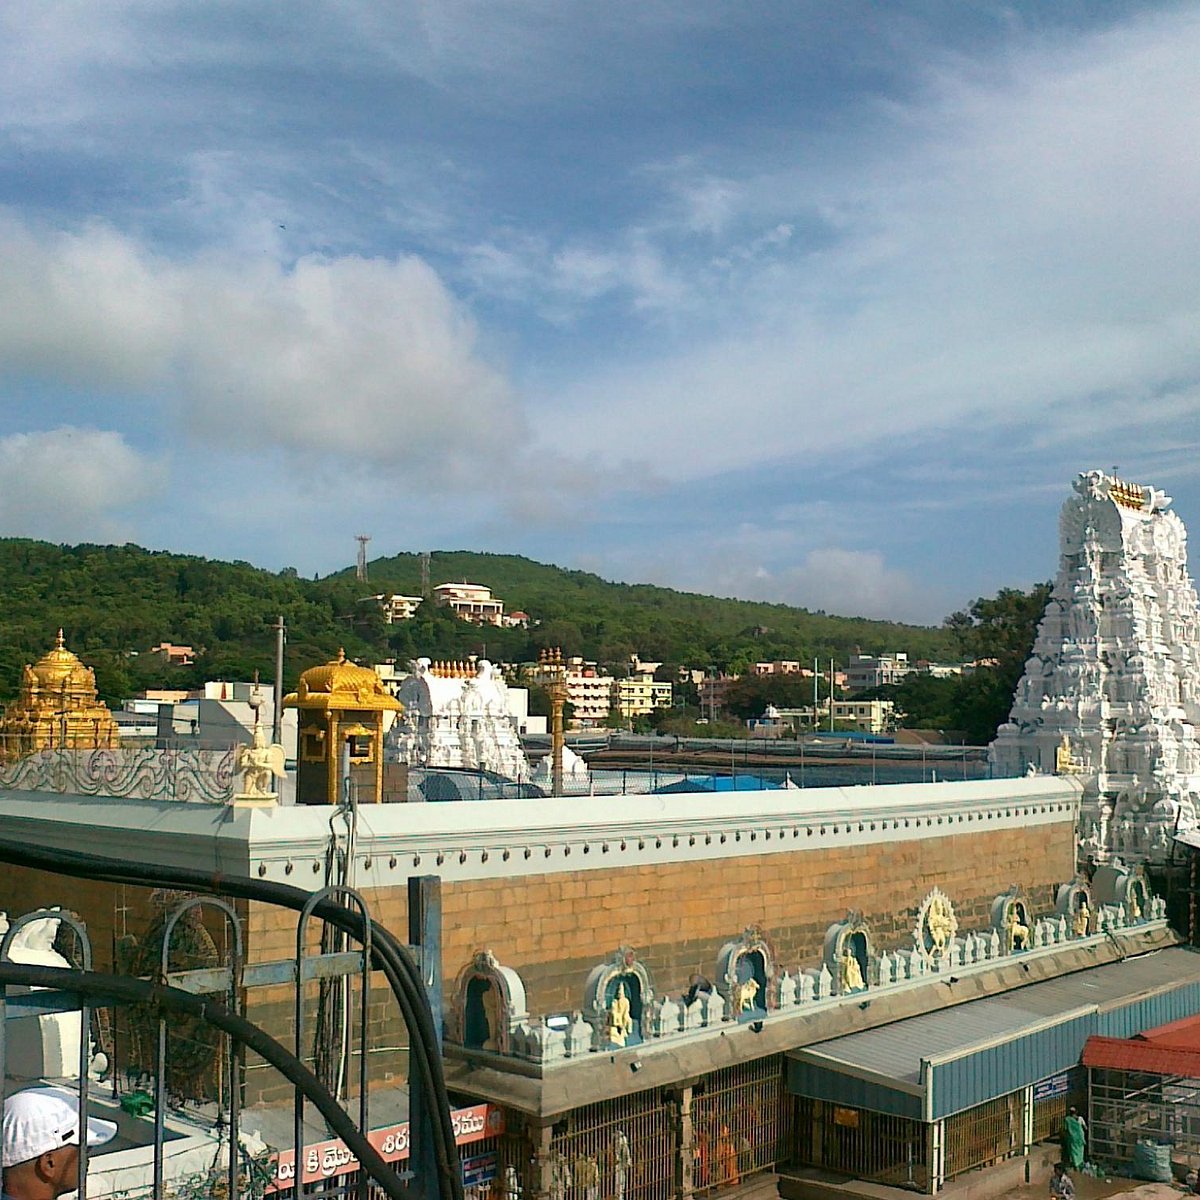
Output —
<point x="116" y="602"/>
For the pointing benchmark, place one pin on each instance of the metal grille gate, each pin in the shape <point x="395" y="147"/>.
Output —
<point x="741" y="1123"/>
<point x="867" y="1145"/>
<point x="622" y="1149"/>
<point x="985" y="1134"/>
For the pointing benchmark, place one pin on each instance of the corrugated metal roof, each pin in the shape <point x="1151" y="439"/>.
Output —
<point x="1131" y="1054"/>
<point x="895" y="1051"/>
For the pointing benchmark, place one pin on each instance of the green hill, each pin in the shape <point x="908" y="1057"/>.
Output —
<point x="115" y="602"/>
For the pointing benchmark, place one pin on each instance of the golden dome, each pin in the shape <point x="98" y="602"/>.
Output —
<point x="59" y="669"/>
<point x="341" y="684"/>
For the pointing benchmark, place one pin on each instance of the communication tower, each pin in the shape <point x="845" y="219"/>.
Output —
<point x="362" y="539"/>
<point x="425" y="556"/>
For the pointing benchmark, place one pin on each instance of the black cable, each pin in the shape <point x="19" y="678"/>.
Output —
<point x="160" y="1000"/>
<point x="387" y="952"/>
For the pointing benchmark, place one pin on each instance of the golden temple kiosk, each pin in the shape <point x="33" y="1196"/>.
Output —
<point x="341" y="710"/>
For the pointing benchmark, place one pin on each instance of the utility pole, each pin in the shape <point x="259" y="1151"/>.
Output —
<point x="831" y="695"/>
<point x="277" y="712"/>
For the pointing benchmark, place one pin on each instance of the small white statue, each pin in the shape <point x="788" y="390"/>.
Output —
<point x="258" y="762"/>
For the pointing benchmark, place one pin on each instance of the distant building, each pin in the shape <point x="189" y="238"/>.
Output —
<point x="470" y="602"/>
<point x="640" y="695"/>
<point x="174" y="656"/>
<point x="782" y="666"/>
<point x="869" y="716"/>
<point x="714" y="690"/>
<point x="940" y="670"/>
<point x="589" y="690"/>
<point x="397" y="607"/>
<point x="867" y="671"/>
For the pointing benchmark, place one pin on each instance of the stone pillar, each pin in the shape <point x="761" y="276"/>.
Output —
<point x="539" y="1141"/>
<point x="685" y="1141"/>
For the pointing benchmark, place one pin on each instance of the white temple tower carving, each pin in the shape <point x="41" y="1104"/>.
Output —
<point x="1111" y="690"/>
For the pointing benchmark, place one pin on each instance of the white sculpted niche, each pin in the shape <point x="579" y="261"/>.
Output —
<point x="616" y="997"/>
<point x="848" y="954"/>
<point x="489" y="1003"/>
<point x="1012" y="920"/>
<point x="746" y="975"/>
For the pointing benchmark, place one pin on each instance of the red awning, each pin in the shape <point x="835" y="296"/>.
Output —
<point x="1139" y="1054"/>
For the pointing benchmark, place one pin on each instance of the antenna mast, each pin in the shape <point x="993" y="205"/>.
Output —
<point x="362" y="539"/>
<point x="425" y="557"/>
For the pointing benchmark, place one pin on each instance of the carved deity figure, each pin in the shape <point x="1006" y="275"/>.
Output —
<point x="1018" y="934"/>
<point x="1064" y="763"/>
<point x="1135" y="908"/>
<point x="744" y="995"/>
<point x="852" y="976"/>
<point x="491" y="1011"/>
<point x="620" y="1017"/>
<point x="941" y="924"/>
<point x="1083" y="918"/>
<point x="258" y="762"/>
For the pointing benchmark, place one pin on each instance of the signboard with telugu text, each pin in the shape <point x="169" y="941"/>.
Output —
<point x="1052" y="1088"/>
<point x="324" y="1160"/>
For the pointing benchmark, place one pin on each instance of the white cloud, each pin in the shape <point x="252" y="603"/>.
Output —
<point x="359" y="358"/>
<point x="73" y="484"/>
<point x="1017" y="243"/>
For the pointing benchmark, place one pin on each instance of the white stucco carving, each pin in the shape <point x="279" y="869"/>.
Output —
<point x="457" y="722"/>
<point x="1111" y="691"/>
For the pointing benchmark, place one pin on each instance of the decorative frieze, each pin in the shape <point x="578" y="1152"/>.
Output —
<point x="621" y="1010"/>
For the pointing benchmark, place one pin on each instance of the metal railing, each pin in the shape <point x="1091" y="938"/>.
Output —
<point x="176" y="1005"/>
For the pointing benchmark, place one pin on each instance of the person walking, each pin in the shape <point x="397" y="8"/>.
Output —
<point x="1074" y="1139"/>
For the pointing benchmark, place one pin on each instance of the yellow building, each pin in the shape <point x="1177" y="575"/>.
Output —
<point x="57" y="709"/>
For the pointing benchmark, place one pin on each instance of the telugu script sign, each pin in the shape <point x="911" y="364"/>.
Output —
<point x="323" y="1160"/>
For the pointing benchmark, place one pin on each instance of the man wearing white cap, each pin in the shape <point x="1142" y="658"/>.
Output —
<point x="41" y="1143"/>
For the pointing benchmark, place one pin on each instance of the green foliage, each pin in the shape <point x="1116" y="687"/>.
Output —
<point x="115" y="602"/>
<point x="749" y="696"/>
<point x="998" y="633"/>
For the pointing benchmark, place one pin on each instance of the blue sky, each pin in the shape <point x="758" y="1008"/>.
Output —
<point x="821" y="303"/>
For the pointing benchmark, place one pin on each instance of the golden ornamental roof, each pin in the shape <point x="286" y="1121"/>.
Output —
<point x="340" y="683"/>
<point x="59" y="669"/>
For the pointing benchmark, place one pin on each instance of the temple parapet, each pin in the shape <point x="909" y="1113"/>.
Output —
<point x="621" y="1011"/>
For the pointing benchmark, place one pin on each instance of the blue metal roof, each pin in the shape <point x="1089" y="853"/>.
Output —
<point x="943" y="1062"/>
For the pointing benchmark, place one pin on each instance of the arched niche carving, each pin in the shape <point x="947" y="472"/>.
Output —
<point x="1012" y="919"/>
<point x="746" y="975"/>
<point x="1116" y="883"/>
<point x="489" y="1002"/>
<point x="1075" y="904"/>
<point x="615" y="998"/>
<point x="848" y="954"/>
<point x="935" y="927"/>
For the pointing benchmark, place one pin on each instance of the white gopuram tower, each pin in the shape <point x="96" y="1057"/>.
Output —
<point x="1111" y="691"/>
